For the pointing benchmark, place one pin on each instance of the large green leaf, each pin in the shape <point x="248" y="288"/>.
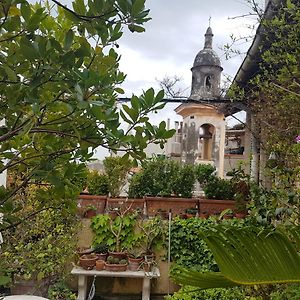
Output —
<point x="246" y="256"/>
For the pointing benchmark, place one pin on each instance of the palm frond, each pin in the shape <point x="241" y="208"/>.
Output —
<point x="246" y="256"/>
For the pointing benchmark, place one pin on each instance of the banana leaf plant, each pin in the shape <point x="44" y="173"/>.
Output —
<point x="247" y="256"/>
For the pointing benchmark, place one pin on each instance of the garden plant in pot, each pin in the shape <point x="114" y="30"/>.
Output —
<point x="118" y="234"/>
<point x="153" y="231"/>
<point x="88" y="261"/>
<point x="101" y="251"/>
<point x="115" y="264"/>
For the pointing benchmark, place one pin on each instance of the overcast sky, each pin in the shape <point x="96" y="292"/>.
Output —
<point x="175" y="35"/>
<point x="173" y="38"/>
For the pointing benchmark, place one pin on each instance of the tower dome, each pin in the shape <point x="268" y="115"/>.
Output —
<point x="206" y="72"/>
<point x="207" y="56"/>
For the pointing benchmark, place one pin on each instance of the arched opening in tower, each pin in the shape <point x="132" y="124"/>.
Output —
<point x="208" y="83"/>
<point x="206" y="134"/>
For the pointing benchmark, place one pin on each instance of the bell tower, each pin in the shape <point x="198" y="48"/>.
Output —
<point x="206" y="72"/>
<point x="203" y="126"/>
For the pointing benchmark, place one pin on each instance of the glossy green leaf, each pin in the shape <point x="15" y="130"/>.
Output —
<point x="246" y="256"/>
<point x="137" y="6"/>
<point x="68" y="39"/>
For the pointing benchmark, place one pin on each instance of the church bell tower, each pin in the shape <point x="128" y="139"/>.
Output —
<point x="203" y="127"/>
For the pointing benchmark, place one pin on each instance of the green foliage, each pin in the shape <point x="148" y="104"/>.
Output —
<point x="44" y="244"/>
<point x="80" y="177"/>
<point x="189" y="293"/>
<point x="59" y="84"/>
<point x="218" y="188"/>
<point x="204" y="173"/>
<point x="184" y="183"/>
<point x="153" y="235"/>
<point x="118" y="234"/>
<point x="97" y="184"/>
<point x="116" y="169"/>
<point x="290" y="292"/>
<point x="247" y="256"/>
<point x="187" y="247"/>
<point x="60" y="291"/>
<point x="162" y="177"/>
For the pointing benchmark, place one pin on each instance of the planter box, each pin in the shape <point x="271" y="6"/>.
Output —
<point x="214" y="207"/>
<point x="176" y="205"/>
<point x="126" y="203"/>
<point x="98" y="201"/>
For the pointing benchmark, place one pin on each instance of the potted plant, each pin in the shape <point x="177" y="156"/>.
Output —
<point x="191" y="212"/>
<point x="115" y="264"/>
<point x="88" y="261"/>
<point x="153" y="236"/>
<point x="135" y="258"/>
<point x="203" y="214"/>
<point x="118" y="234"/>
<point x="117" y="169"/>
<point x="226" y="214"/>
<point x="101" y="251"/>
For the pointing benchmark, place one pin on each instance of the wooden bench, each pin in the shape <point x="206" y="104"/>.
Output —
<point x="83" y="274"/>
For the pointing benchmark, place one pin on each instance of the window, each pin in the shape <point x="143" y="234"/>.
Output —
<point x="208" y="82"/>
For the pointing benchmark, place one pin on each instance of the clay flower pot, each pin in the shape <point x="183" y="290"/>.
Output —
<point x="119" y="255"/>
<point x="134" y="263"/>
<point x="88" y="261"/>
<point x="115" y="267"/>
<point x="100" y="265"/>
<point x="240" y="215"/>
<point x="84" y="250"/>
<point x="102" y="256"/>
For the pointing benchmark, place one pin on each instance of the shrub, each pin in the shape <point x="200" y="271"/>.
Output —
<point x="162" y="177"/>
<point x="116" y="169"/>
<point x="138" y="186"/>
<point x="204" y="173"/>
<point x="189" y="293"/>
<point x="97" y="183"/>
<point x="185" y="181"/>
<point x="218" y="188"/>
<point x="187" y="248"/>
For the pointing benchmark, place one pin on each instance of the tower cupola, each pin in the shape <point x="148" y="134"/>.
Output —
<point x="206" y="72"/>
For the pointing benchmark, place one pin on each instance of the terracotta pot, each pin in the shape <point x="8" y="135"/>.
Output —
<point x="182" y="216"/>
<point x="115" y="267"/>
<point x="119" y="255"/>
<point x="175" y="204"/>
<point x="226" y="217"/>
<point x="84" y="250"/>
<point x="203" y="215"/>
<point x="240" y="215"/>
<point x="215" y="207"/>
<point x="134" y="263"/>
<point x="102" y="256"/>
<point x="88" y="261"/>
<point x="100" y="265"/>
